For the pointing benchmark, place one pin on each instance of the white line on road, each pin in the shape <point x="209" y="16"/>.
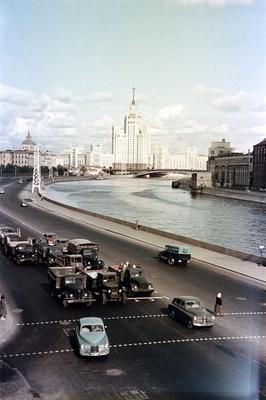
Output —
<point x="151" y="343"/>
<point x="63" y="322"/>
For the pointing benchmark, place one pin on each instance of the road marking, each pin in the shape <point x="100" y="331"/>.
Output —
<point x="21" y="222"/>
<point x="68" y="321"/>
<point x="149" y="343"/>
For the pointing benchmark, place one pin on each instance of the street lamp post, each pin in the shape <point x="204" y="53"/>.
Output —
<point x="261" y="248"/>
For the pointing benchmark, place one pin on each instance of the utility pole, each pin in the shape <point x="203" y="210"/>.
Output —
<point x="36" y="178"/>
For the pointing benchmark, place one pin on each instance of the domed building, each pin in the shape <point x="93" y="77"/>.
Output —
<point x="28" y="143"/>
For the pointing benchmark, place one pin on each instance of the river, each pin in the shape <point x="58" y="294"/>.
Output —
<point x="235" y="224"/>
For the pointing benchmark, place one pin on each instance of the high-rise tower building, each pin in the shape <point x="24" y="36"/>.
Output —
<point x="131" y="145"/>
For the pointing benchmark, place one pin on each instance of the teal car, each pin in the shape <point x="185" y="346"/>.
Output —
<point x="91" y="337"/>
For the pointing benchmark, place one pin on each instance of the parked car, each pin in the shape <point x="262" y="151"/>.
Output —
<point x="191" y="311"/>
<point x="175" y="254"/>
<point x="91" y="337"/>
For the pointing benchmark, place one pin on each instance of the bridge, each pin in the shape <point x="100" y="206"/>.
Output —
<point x="153" y="173"/>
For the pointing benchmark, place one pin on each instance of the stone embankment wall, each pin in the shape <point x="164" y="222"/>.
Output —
<point x="218" y="249"/>
<point x="256" y="197"/>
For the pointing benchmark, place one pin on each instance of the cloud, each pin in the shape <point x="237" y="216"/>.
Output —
<point x="167" y="116"/>
<point x="15" y="96"/>
<point x="99" y="97"/>
<point x="240" y="101"/>
<point x="217" y="3"/>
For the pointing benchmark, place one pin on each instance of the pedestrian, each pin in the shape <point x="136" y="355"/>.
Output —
<point x="3" y="310"/>
<point x="137" y="224"/>
<point x="218" y="308"/>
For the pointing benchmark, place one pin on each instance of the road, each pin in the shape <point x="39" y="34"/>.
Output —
<point x="152" y="356"/>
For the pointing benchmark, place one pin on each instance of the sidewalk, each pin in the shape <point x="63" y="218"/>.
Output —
<point x="218" y="260"/>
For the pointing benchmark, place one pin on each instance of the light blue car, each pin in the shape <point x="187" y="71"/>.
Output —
<point x="91" y="337"/>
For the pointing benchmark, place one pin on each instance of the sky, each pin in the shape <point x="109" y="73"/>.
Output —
<point x="67" y="69"/>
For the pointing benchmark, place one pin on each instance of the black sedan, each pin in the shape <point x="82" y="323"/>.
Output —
<point x="191" y="311"/>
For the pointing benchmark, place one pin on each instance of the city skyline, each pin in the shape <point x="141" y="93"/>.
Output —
<point x="67" y="71"/>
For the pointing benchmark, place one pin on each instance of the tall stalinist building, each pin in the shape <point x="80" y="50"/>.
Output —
<point x="131" y="145"/>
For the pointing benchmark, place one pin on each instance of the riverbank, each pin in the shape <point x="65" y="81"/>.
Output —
<point x="256" y="197"/>
<point x="246" y="266"/>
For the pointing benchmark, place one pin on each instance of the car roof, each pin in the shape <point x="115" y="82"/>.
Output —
<point x="91" y="321"/>
<point x="77" y="242"/>
<point x="187" y="298"/>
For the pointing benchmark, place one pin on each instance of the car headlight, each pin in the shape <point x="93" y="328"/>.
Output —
<point x="213" y="317"/>
<point x="82" y="346"/>
<point x="135" y="287"/>
<point x="150" y="286"/>
<point x="71" y="295"/>
<point x="194" y="318"/>
<point x="120" y="290"/>
<point x="85" y="295"/>
<point x="109" y="290"/>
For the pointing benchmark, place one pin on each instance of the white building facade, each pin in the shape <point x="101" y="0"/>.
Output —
<point x="131" y="146"/>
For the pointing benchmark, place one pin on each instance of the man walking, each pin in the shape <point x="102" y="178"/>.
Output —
<point x="218" y="308"/>
<point x="3" y="310"/>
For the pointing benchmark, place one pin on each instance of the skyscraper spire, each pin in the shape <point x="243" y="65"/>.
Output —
<point x="133" y="100"/>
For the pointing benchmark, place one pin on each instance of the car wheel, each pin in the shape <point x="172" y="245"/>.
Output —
<point x="123" y="298"/>
<point x="172" y="314"/>
<point x="189" y="324"/>
<point x="65" y="304"/>
<point x="103" y="299"/>
<point x="171" y="261"/>
<point x="89" y="303"/>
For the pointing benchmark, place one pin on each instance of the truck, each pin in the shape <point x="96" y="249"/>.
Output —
<point x="133" y="278"/>
<point x="52" y="253"/>
<point x="9" y="233"/>
<point x="89" y="252"/>
<point x="175" y="254"/>
<point x="69" y="260"/>
<point x="68" y="285"/>
<point x="40" y="246"/>
<point x="105" y="286"/>
<point x="20" y="251"/>
<point x="43" y="244"/>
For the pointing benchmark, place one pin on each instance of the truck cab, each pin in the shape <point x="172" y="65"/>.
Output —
<point x="52" y="253"/>
<point x="175" y="254"/>
<point x="24" y="253"/>
<point x="69" y="285"/>
<point x="106" y="286"/>
<point x="69" y="260"/>
<point x="136" y="283"/>
<point x="89" y="251"/>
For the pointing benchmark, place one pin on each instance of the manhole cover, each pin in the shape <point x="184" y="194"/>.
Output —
<point x="17" y="310"/>
<point x="114" y="372"/>
<point x="65" y="323"/>
<point x="134" y="395"/>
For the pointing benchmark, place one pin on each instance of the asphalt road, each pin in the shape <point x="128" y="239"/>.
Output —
<point x="152" y="356"/>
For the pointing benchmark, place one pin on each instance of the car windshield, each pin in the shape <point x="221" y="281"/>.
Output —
<point x="193" y="304"/>
<point x="91" y="328"/>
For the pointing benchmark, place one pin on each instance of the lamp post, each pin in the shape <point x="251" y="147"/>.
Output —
<point x="261" y="248"/>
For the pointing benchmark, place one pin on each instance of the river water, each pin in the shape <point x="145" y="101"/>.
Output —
<point x="231" y="223"/>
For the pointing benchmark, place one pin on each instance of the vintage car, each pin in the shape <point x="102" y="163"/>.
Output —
<point x="175" y="254"/>
<point x="191" y="311"/>
<point x="91" y="337"/>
